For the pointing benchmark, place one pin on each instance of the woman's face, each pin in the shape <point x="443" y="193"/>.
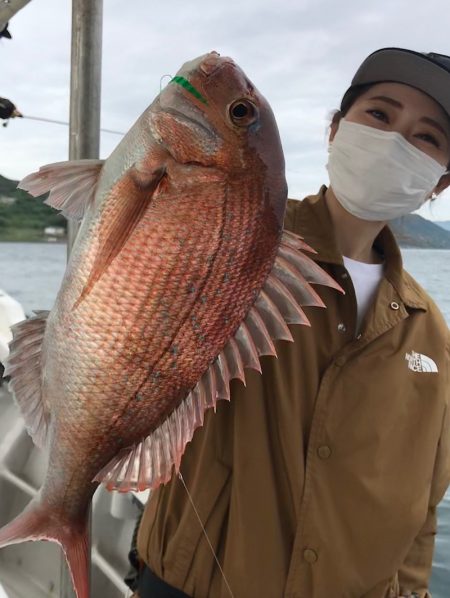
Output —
<point x="408" y="111"/>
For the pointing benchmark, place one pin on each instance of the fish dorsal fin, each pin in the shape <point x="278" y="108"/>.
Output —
<point x="72" y="185"/>
<point x="287" y="288"/>
<point x="24" y="367"/>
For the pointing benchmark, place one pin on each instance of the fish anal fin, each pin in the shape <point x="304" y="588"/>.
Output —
<point x="24" y="367"/>
<point x="71" y="185"/>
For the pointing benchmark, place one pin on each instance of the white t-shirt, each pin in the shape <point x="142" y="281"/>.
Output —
<point x="366" y="279"/>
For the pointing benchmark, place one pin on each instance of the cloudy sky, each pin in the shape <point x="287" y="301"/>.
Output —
<point x="301" y="54"/>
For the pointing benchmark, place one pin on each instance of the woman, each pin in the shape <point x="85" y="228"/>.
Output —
<point x="321" y="477"/>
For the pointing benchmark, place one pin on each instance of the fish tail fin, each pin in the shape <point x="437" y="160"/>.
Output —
<point x="76" y="549"/>
<point x="36" y="522"/>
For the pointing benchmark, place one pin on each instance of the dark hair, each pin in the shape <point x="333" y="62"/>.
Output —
<point x="350" y="98"/>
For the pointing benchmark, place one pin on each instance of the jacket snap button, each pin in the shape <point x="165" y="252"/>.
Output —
<point x="341" y="327"/>
<point x="340" y="361"/>
<point x="395" y="305"/>
<point x="344" y="275"/>
<point x="324" y="452"/>
<point x="310" y="556"/>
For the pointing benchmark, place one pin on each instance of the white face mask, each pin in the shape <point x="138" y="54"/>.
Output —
<point x="378" y="175"/>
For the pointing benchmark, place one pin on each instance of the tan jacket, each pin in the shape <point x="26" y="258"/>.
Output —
<point x="322" y="476"/>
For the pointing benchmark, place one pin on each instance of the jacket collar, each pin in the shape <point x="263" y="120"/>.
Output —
<point x="313" y="219"/>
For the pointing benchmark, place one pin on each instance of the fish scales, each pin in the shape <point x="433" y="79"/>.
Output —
<point x="112" y="420"/>
<point x="152" y="351"/>
<point x="174" y="286"/>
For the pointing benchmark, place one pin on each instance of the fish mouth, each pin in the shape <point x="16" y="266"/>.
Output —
<point x="195" y="75"/>
<point x="213" y="62"/>
<point x="207" y="64"/>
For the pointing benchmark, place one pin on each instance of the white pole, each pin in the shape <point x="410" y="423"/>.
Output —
<point x="85" y="84"/>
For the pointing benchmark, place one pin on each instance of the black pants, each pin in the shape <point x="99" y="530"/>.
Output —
<point x="150" y="586"/>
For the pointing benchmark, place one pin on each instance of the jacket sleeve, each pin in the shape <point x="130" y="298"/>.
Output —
<point x="416" y="570"/>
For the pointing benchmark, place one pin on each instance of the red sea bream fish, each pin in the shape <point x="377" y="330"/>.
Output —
<point x="180" y="278"/>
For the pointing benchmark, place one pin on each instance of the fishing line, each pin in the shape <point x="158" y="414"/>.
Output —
<point x="161" y="81"/>
<point x="63" y="122"/>
<point x="206" y="535"/>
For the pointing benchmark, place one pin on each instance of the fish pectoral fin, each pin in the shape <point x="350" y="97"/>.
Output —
<point x="71" y="184"/>
<point x="138" y="189"/>
<point x="24" y="367"/>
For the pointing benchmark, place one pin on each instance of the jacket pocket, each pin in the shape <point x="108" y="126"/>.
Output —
<point x="210" y="498"/>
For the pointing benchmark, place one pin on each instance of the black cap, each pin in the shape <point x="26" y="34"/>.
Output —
<point x="429" y="73"/>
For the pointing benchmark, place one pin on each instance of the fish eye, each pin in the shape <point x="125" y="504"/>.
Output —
<point x="243" y="113"/>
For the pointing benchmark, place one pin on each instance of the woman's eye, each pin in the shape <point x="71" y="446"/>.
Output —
<point x="378" y="114"/>
<point x="429" y="139"/>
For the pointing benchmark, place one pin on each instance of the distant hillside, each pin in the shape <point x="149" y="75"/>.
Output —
<point x="22" y="217"/>
<point x="444" y="224"/>
<point x="414" y="231"/>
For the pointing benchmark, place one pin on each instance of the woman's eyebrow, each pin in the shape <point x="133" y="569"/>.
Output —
<point x="388" y="100"/>
<point x="424" y="119"/>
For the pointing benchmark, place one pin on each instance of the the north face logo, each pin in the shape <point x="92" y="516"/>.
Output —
<point x="420" y="363"/>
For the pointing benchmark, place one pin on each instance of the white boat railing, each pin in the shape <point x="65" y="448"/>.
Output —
<point x="33" y="568"/>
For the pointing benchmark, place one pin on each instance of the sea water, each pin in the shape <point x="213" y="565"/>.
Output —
<point x="431" y="268"/>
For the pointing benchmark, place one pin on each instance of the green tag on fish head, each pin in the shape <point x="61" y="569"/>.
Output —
<point x="185" y="83"/>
